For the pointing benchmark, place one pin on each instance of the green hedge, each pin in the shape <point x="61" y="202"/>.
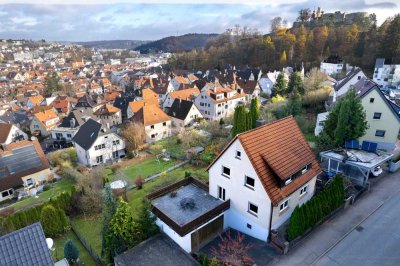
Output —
<point x="314" y="210"/>
<point x="32" y="215"/>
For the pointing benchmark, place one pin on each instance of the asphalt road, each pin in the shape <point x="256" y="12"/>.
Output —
<point x="375" y="242"/>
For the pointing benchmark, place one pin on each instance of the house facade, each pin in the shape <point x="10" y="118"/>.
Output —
<point x="259" y="177"/>
<point x="386" y="74"/>
<point x="156" y="123"/>
<point x="219" y="102"/>
<point x="382" y="115"/>
<point x="10" y="133"/>
<point x="43" y="122"/>
<point x="97" y="145"/>
<point x="23" y="165"/>
<point x="184" y="113"/>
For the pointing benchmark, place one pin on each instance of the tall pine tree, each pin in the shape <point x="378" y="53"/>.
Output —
<point x="255" y="111"/>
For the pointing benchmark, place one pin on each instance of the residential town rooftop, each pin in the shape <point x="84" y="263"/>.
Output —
<point x="26" y="246"/>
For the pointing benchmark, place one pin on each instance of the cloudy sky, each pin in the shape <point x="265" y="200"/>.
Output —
<point x="57" y="20"/>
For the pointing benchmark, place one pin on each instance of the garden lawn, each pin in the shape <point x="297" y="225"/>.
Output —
<point x="136" y="196"/>
<point x="89" y="227"/>
<point x="147" y="168"/>
<point x="58" y="253"/>
<point x="172" y="146"/>
<point x="63" y="185"/>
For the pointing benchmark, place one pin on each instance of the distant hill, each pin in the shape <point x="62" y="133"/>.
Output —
<point x="177" y="43"/>
<point x="114" y="44"/>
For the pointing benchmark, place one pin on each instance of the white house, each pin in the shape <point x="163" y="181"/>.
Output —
<point x="332" y="65"/>
<point x="97" y="145"/>
<point x="386" y="74"/>
<point x="219" y="102"/>
<point x="259" y="179"/>
<point x="342" y="86"/>
<point x="10" y="133"/>
<point x="183" y="113"/>
<point x="157" y="124"/>
<point x="43" y="122"/>
<point x="257" y="170"/>
<point x="268" y="81"/>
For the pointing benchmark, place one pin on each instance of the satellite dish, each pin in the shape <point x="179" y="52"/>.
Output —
<point x="49" y="242"/>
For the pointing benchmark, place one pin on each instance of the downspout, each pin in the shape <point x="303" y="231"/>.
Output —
<point x="270" y="222"/>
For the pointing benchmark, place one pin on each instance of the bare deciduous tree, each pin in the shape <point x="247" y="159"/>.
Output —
<point x="233" y="251"/>
<point x="133" y="133"/>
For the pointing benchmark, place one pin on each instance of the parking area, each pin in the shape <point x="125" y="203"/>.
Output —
<point x="260" y="252"/>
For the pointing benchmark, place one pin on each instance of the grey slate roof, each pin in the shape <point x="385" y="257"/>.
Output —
<point x="180" y="109"/>
<point x="87" y="134"/>
<point x="26" y="246"/>
<point x="353" y="72"/>
<point x="156" y="251"/>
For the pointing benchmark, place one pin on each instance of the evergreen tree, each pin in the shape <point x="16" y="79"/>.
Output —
<point x="51" y="83"/>
<point x="109" y="207"/>
<point x="345" y="121"/>
<point x="123" y="231"/>
<point x="52" y="226"/>
<point x="63" y="220"/>
<point x="255" y="111"/>
<point x="71" y="252"/>
<point x="280" y="86"/>
<point x="146" y="222"/>
<point x="295" y="84"/>
<point x="239" y="121"/>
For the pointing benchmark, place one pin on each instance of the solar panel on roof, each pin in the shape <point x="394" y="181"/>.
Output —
<point x="352" y="144"/>
<point x="365" y="145"/>
<point x="21" y="159"/>
<point x="369" y="146"/>
<point x="373" y="146"/>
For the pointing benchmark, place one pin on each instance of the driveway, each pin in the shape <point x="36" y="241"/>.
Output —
<point x="374" y="242"/>
<point x="320" y="242"/>
<point x="261" y="252"/>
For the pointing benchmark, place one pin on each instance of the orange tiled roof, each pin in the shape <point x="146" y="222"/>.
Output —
<point x="107" y="109"/>
<point x="149" y="96"/>
<point x="150" y="115"/>
<point x="36" y="100"/>
<point x="46" y="116"/>
<point x="182" y="80"/>
<point x="276" y="151"/>
<point x="185" y="94"/>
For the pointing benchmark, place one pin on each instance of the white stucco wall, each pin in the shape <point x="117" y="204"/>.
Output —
<point x="240" y="195"/>
<point x="159" y="131"/>
<point x="278" y="217"/>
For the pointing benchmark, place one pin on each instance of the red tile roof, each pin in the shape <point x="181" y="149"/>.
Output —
<point x="276" y="151"/>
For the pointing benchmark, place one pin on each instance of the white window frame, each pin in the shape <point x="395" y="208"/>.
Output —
<point x="226" y="175"/>
<point x="238" y="155"/>
<point x="221" y="193"/>
<point x="250" y="211"/>
<point x="284" y="205"/>
<point x="248" y="185"/>
<point x="304" y="190"/>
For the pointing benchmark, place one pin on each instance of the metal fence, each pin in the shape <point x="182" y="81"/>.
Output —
<point x="87" y="246"/>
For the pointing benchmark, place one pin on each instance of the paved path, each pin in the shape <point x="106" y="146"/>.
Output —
<point x="374" y="242"/>
<point x="329" y="234"/>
